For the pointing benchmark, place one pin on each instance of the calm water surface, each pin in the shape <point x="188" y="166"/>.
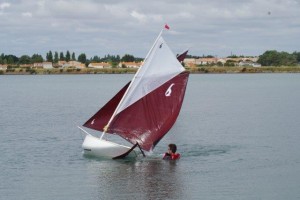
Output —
<point x="239" y="136"/>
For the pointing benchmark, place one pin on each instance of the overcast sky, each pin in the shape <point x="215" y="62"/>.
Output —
<point x="214" y="27"/>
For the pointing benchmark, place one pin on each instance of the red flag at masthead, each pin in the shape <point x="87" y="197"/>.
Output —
<point x="167" y="27"/>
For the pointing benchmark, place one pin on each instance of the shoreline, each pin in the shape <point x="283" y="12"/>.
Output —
<point x="196" y="70"/>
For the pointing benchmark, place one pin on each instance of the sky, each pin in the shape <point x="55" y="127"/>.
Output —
<point x="117" y="27"/>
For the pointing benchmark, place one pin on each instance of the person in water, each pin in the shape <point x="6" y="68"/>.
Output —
<point x="171" y="154"/>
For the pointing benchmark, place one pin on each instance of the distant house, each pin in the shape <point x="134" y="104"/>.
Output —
<point x="80" y="66"/>
<point x="3" y="67"/>
<point x="130" y="64"/>
<point x="37" y="65"/>
<point x="45" y="65"/>
<point x="189" y="62"/>
<point x="60" y="63"/>
<point x="100" y="65"/>
<point x="249" y="64"/>
<point x="205" y="61"/>
<point x="75" y="64"/>
<point x="199" y="61"/>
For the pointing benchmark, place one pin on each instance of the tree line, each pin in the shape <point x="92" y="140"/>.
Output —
<point x="55" y="57"/>
<point x="269" y="58"/>
<point x="275" y="58"/>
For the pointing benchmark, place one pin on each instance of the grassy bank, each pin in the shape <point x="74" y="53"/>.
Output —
<point x="196" y="70"/>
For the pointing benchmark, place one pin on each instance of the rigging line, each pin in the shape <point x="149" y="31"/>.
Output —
<point x="141" y="149"/>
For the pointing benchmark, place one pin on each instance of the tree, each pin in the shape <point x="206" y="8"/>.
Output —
<point x="68" y="56"/>
<point x="297" y="55"/>
<point x="82" y="58"/>
<point x="95" y="59"/>
<point x="73" y="56"/>
<point x="229" y="63"/>
<point x="61" y="56"/>
<point x="49" y="57"/>
<point x="36" y="58"/>
<point x="274" y="58"/>
<point x="2" y="58"/>
<point x="127" y="58"/>
<point x="25" y="59"/>
<point x="10" y="59"/>
<point x="56" y="57"/>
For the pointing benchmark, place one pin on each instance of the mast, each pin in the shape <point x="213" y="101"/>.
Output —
<point x="116" y="110"/>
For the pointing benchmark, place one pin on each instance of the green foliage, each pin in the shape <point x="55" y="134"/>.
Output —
<point x="49" y="56"/>
<point x="229" y="63"/>
<point x="25" y="59"/>
<point x="61" y="56"/>
<point x="127" y="58"/>
<point x="82" y="58"/>
<point x="55" y="57"/>
<point x="9" y="59"/>
<point x="36" y="58"/>
<point x="110" y="58"/>
<point x="190" y="56"/>
<point x="95" y="59"/>
<point x="68" y="56"/>
<point x="9" y="69"/>
<point x="73" y="56"/>
<point x="219" y="64"/>
<point x="114" y="64"/>
<point x="297" y="55"/>
<point x="274" y="58"/>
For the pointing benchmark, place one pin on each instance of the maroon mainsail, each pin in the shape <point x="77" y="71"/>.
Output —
<point x="101" y="118"/>
<point x="147" y="126"/>
<point x="145" y="109"/>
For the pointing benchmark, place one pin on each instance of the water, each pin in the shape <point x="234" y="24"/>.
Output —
<point x="238" y="136"/>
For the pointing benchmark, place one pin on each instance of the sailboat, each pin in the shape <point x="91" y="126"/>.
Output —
<point x="144" y="110"/>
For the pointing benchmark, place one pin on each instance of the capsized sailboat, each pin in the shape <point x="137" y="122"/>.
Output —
<point x="144" y="110"/>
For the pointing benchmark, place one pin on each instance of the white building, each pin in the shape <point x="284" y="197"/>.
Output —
<point x="130" y="64"/>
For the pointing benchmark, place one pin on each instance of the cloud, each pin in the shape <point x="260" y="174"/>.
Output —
<point x="4" y="5"/>
<point x="27" y="14"/>
<point x="118" y="27"/>
<point x="140" y="17"/>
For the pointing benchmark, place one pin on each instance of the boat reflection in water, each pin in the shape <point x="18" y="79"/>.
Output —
<point x="142" y="179"/>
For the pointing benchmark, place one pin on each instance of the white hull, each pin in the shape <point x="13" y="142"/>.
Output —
<point x="97" y="147"/>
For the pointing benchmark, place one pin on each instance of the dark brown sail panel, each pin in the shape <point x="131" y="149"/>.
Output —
<point x="101" y="118"/>
<point x="151" y="117"/>
<point x="182" y="56"/>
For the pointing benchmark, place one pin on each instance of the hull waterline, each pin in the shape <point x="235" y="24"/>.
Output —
<point x="100" y="148"/>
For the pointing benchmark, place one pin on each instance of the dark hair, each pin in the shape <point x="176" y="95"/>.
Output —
<point x="173" y="147"/>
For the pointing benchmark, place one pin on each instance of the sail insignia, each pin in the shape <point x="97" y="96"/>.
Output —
<point x="169" y="90"/>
